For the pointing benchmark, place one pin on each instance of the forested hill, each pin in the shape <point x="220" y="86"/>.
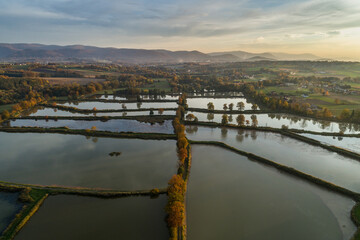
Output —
<point x="39" y="52"/>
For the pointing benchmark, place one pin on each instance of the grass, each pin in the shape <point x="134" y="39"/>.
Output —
<point x="351" y="102"/>
<point x="293" y="90"/>
<point x="6" y="107"/>
<point x="159" y="83"/>
<point x="355" y="215"/>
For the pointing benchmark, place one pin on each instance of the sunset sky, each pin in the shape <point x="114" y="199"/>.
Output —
<point x="327" y="28"/>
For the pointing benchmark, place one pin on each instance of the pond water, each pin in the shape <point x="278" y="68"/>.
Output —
<point x="144" y="97"/>
<point x="230" y="197"/>
<point x="9" y="207"/>
<point x="73" y="217"/>
<point x="278" y="120"/>
<point x="51" y="112"/>
<point x="304" y="157"/>
<point x="44" y="111"/>
<point x="107" y="105"/>
<point x="73" y="160"/>
<point x="114" y="125"/>
<point x="213" y="93"/>
<point x="137" y="113"/>
<point x="349" y="143"/>
<point x="218" y="102"/>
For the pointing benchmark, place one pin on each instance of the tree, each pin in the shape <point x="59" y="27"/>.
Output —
<point x="138" y="105"/>
<point x="225" y="107"/>
<point x="231" y="106"/>
<point x="285" y="104"/>
<point x="337" y="101"/>
<point x="5" y="114"/>
<point x="240" y="119"/>
<point x="345" y="114"/>
<point x="123" y="106"/>
<point x="327" y="113"/>
<point x="254" y="107"/>
<point x="240" y="106"/>
<point x="190" y="117"/>
<point x="161" y="111"/>
<point x="254" y="120"/>
<point x="210" y="116"/>
<point x="210" y="106"/>
<point x="225" y="119"/>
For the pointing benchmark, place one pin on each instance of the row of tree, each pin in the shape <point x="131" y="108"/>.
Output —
<point x="175" y="208"/>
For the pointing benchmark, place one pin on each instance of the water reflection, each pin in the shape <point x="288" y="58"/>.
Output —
<point x="284" y="121"/>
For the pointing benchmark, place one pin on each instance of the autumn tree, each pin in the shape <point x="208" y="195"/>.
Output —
<point x="225" y="119"/>
<point x="240" y="106"/>
<point x="240" y="119"/>
<point x="231" y="106"/>
<point x="225" y="107"/>
<point x="254" y="106"/>
<point x="254" y="120"/>
<point x="210" y="106"/>
<point x="345" y="114"/>
<point x="5" y="114"/>
<point x="190" y="117"/>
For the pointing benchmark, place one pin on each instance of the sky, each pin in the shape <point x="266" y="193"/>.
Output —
<point x="327" y="28"/>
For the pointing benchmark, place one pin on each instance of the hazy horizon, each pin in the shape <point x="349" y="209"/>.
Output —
<point x="326" y="28"/>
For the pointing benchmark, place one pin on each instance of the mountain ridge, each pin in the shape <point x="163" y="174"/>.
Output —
<point x="41" y="52"/>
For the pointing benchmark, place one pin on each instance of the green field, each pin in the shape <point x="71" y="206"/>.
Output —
<point x="159" y="83"/>
<point x="293" y="90"/>
<point x="6" y="107"/>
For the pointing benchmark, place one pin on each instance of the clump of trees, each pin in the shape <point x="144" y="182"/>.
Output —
<point x="175" y="208"/>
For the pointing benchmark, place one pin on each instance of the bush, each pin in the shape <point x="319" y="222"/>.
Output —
<point x="154" y="192"/>
<point x="25" y="196"/>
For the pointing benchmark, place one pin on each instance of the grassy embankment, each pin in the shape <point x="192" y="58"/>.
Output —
<point x="355" y="216"/>
<point x="90" y="133"/>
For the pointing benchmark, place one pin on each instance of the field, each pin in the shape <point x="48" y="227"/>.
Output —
<point x="160" y="84"/>
<point x="6" y="107"/>
<point x="81" y="81"/>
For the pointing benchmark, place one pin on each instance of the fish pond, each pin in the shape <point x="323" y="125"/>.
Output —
<point x="302" y="156"/>
<point x="114" y="125"/>
<point x="218" y="103"/>
<point x="230" y="197"/>
<point x="74" y="160"/>
<point x="52" y="112"/>
<point x="349" y="143"/>
<point x="109" y="105"/>
<point x="9" y="207"/>
<point x="73" y="218"/>
<point x="280" y="120"/>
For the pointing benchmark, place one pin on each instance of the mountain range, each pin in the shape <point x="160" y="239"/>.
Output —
<point x="22" y="52"/>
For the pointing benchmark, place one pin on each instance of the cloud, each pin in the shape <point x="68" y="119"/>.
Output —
<point x="178" y="22"/>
